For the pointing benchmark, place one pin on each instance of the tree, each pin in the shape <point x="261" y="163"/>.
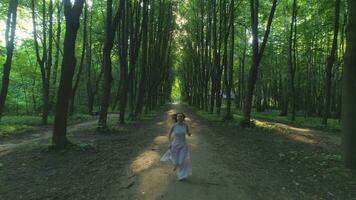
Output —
<point x="81" y="63"/>
<point x="9" y="39"/>
<point x="110" y="29"/>
<point x="229" y="79"/>
<point x="257" y="55"/>
<point x="141" y="90"/>
<point x="349" y="88"/>
<point x="72" y="15"/>
<point x="292" y="58"/>
<point x="330" y="63"/>
<point x="45" y="61"/>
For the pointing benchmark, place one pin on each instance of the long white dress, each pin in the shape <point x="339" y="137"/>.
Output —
<point x="179" y="153"/>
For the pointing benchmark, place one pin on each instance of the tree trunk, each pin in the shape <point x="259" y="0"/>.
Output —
<point x="123" y="61"/>
<point x="110" y="29"/>
<point x="349" y="88"/>
<point x="329" y="66"/>
<point x="9" y="39"/>
<point x="80" y="69"/>
<point x="42" y="60"/>
<point x="231" y="64"/>
<point x="144" y="64"/>
<point x="58" y="39"/>
<point x="256" y="57"/>
<point x="291" y="59"/>
<point x="72" y="15"/>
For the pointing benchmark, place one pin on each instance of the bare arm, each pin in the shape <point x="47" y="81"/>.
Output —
<point x="188" y="130"/>
<point x="170" y="135"/>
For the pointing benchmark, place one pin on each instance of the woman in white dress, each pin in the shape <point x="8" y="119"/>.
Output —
<point x="178" y="148"/>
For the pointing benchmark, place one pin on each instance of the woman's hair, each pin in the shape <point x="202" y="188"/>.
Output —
<point x="174" y="117"/>
<point x="181" y="114"/>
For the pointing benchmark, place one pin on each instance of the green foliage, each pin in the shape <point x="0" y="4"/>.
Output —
<point x="176" y="91"/>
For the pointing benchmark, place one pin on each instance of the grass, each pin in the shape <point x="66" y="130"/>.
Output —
<point x="300" y="121"/>
<point x="261" y="120"/>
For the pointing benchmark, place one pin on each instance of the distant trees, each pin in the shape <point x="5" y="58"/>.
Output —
<point x="291" y="62"/>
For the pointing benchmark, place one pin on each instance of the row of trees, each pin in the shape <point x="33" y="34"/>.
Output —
<point x="296" y="56"/>
<point x="113" y="55"/>
<point x="269" y="55"/>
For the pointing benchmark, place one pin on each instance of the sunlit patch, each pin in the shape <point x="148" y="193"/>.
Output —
<point x="264" y="125"/>
<point x="161" y="139"/>
<point x="298" y="134"/>
<point x="144" y="161"/>
<point x="160" y="123"/>
<point x="171" y="111"/>
<point x="304" y="130"/>
<point x="301" y="138"/>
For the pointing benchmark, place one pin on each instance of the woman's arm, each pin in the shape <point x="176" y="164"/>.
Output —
<point x="188" y="130"/>
<point x="170" y="135"/>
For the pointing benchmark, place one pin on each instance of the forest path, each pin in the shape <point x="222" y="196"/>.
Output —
<point x="151" y="179"/>
<point x="229" y="163"/>
<point x="43" y="135"/>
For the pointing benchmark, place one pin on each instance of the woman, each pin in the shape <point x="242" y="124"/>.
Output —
<point x="178" y="148"/>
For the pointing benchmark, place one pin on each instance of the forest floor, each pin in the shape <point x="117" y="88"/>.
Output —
<point x="229" y="163"/>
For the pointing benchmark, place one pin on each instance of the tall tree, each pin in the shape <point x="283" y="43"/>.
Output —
<point x="144" y="62"/>
<point x="292" y="58"/>
<point x="44" y="60"/>
<point x="330" y="63"/>
<point x="9" y="39"/>
<point x="349" y="88"/>
<point x="72" y="15"/>
<point x="229" y="80"/>
<point x="126" y="19"/>
<point x="81" y="63"/>
<point x="256" y="55"/>
<point x="111" y="25"/>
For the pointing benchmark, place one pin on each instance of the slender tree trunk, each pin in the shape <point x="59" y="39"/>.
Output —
<point x="9" y="39"/>
<point x="329" y="66"/>
<point x="231" y="64"/>
<point x="88" y="69"/>
<point x="58" y="39"/>
<point x="42" y="61"/>
<point x="72" y="15"/>
<point x="110" y="29"/>
<point x="49" y="57"/>
<point x="135" y="32"/>
<point x="256" y="57"/>
<point x="81" y="64"/>
<point x="291" y="59"/>
<point x="144" y="64"/>
<point x="123" y="61"/>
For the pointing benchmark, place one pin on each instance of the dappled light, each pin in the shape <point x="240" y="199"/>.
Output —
<point x="298" y="134"/>
<point x="144" y="161"/>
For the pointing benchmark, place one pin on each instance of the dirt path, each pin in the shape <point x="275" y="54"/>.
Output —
<point x="43" y="135"/>
<point x="152" y="179"/>
<point x="231" y="163"/>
